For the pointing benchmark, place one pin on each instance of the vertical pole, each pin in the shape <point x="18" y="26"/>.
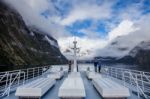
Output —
<point x="142" y="80"/>
<point x="137" y="86"/>
<point x="19" y="77"/>
<point x="38" y="72"/>
<point x="27" y="74"/>
<point x="8" y="92"/>
<point x="33" y="73"/>
<point x="7" y="75"/>
<point x="123" y="77"/>
<point x="24" y="77"/>
<point x="75" y="57"/>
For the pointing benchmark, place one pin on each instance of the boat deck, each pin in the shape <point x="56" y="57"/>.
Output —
<point x="91" y="92"/>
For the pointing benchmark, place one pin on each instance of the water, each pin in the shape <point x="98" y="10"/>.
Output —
<point x="126" y="66"/>
<point x="134" y="67"/>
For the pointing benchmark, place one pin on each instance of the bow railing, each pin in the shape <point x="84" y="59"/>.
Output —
<point x="136" y="81"/>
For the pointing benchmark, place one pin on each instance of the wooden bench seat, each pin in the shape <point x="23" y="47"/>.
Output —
<point x="35" y="88"/>
<point x="56" y="76"/>
<point x="92" y="75"/>
<point x="72" y="88"/>
<point x="74" y="74"/>
<point x="110" y="89"/>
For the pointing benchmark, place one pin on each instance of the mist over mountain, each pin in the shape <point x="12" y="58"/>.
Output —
<point x="22" y="46"/>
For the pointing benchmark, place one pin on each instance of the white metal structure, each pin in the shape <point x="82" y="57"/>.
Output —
<point x="110" y="89"/>
<point x="92" y="75"/>
<point x="75" y="56"/>
<point x="136" y="81"/>
<point x="56" y="76"/>
<point x="72" y="88"/>
<point x="10" y="80"/>
<point x="36" y="88"/>
<point x="74" y="74"/>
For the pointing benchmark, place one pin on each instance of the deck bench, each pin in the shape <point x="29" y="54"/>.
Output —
<point x="72" y="88"/>
<point x="36" y="88"/>
<point x="110" y="89"/>
<point x="92" y="75"/>
<point x="74" y="74"/>
<point x="56" y="76"/>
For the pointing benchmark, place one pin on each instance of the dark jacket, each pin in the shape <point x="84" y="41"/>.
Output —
<point x="95" y="63"/>
<point x="99" y="64"/>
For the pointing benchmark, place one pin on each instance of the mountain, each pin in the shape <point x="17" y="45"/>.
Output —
<point x="22" y="46"/>
<point x="140" y="55"/>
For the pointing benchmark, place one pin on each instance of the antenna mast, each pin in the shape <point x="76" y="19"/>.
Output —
<point x="75" y="55"/>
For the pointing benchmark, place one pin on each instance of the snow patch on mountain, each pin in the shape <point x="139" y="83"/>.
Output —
<point x="52" y="42"/>
<point x="145" y="45"/>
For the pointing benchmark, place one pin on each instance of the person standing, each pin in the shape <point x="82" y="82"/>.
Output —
<point x="69" y="63"/>
<point x="99" y="66"/>
<point x="95" y="64"/>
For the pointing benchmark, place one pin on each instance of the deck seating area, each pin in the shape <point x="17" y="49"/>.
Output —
<point x="56" y="76"/>
<point x="58" y="68"/>
<point x="110" y="89"/>
<point x="74" y="85"/>
<point x="35" y="88"/>
<point x="74" y="74"/>
<point x="92" y="75"/>
<point x="72" y="88"/>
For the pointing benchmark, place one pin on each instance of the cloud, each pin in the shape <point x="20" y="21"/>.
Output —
<point x="128" y="41"/>
<point x="124" y="28"/>
<point x="126" y="25"/>
<point x="87" y="11"/>
<point x="31" y="11"/>
<point x="93" y="43"/>
<point x="87" y="46"/>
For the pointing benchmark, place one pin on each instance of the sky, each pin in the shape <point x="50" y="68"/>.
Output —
<point x="94" y="23"/>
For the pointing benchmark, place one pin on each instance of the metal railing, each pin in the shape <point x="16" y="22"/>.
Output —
<point x="136" y="81"/>
<point x="10" y="80"/>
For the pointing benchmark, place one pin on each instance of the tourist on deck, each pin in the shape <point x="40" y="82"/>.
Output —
<point x="95" y="64"/>
<point x="99" y="66"/>
<point x="69" y="63"/>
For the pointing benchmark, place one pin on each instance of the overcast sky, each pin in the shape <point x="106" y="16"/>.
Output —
<point x="95" y="23"/>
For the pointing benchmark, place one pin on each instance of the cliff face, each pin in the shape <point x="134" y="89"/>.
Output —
<point x="139" y="55"/>
<point x="20" y="45"/>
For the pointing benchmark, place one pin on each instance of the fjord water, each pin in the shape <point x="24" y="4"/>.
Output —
<point x="119" y="65"/>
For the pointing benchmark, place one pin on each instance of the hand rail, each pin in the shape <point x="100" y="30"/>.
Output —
<point x="10" y="80"/>
<point x="138" y="79"/>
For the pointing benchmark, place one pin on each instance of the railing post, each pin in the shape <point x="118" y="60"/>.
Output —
<point x="116" y="73"/>
<point x="7" y="75"/>
<point x="137" y="86"/>
<point x="24" y="77"/>
<point x="38" y="72"/>
<point x="142" y="80"/>
<point x="9" y="85"/>
<point x="27" y="74"/>
<point x="33" y="73"/>
<point x="19" y="77"/>
<point x="123" y="77"/>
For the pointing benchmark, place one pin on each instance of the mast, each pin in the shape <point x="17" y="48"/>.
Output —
<point x="75" y="55"/>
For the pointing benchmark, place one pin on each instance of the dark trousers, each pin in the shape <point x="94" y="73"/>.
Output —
<point x="95" y="67"/>
<point x="99" y="69"/>
<point x="69" y="68"/>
